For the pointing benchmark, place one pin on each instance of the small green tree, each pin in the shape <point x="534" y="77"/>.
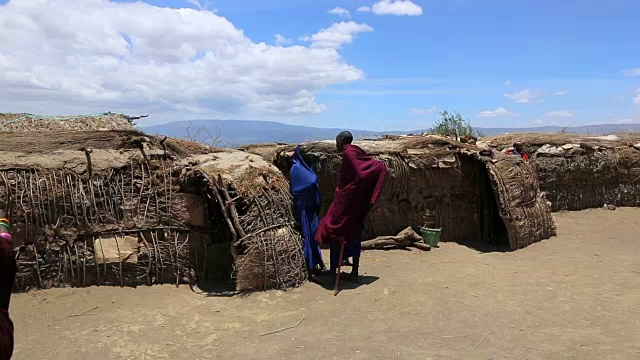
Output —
<point x="452" y="124"/>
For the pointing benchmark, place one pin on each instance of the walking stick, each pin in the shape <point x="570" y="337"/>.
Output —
<point x="337" y="289"/>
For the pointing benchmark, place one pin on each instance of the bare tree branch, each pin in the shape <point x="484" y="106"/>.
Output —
<point x="203" y="135"/>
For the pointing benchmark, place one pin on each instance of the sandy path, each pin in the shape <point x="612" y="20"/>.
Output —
<point x="575" y="296"/>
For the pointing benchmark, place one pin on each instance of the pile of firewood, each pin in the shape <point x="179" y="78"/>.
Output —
<point x="406" y="238"/>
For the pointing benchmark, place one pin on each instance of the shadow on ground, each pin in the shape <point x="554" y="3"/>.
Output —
<point x="328" y="282"/>
<point x="217" y="289"/>
<point x="484" y="248"/>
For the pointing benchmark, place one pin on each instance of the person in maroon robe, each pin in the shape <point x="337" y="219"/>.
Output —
<point x="360" y="185"/>
<point x="7" y="276"/>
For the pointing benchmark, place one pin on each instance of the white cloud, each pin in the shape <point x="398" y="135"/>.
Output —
<point x="524" y="96"/>
<point x="339" y="11"/>
<point x="559" y="114"/>
<point x="336" y="35"/>
<point x="632" y="72"/>
<point x="393" y="7"/>
<point x="538" y="121"/>
<point x="497" y="113"/>
<point x="99" y="55"/>
<point x="561" y="93"/>
<point x="384" y="92"/>
<point x="625" y="121"/>
<point x="282" y="40"/>
<point x="636" y="100"/>
<point x="507" y="83"/>
<point x="421" y="112"/>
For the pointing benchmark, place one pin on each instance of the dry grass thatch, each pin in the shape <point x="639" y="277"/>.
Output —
<point x="267" y="151"/>
<point x="580" y="172"/>
<point x="440" y="183"/>
<point x="116" y="207"/>
<point x="42" y="123"/>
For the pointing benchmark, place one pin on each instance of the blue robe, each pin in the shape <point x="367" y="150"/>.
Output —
<point x="307" y="203"/>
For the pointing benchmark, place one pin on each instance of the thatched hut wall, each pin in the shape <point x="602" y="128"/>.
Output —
<point x="443" y="184"/>
<point x="81" y="202"/>
<point x="580" y="172"/>
<point x="117" y="208"/>
<point x="254" y="208"/>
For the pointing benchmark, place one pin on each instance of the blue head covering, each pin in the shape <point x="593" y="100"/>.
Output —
<point x="304" y="184"/>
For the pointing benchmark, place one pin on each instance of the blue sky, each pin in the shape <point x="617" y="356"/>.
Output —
<point x="498" y="62"/>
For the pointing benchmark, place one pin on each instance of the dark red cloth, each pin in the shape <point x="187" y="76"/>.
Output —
<point x="7" y="277"/>
<point x="361" y="182"/>
<point x="6" y="336"/>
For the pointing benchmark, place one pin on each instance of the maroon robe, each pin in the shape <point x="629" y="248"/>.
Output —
<point x="7" y="276"/>
<point x="361" y="182"/>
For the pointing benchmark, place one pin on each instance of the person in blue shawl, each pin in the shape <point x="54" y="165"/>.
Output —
<point x="307" y="204"/>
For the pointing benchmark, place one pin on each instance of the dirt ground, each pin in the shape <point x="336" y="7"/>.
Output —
<point x="574" y="296"/>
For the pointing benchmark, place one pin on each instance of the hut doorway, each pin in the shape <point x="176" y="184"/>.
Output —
<point x="493" y="230"/>
<point x="486" y="227"/>
<point x="216" y="269"/>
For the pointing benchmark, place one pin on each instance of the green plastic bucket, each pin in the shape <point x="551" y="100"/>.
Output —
<point x="431" y="236"/>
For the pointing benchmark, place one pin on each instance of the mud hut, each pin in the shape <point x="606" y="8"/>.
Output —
<point x="580" y="172"/>
<point x="439" y="183"/>
<point x="252" y="197"/>
<point x="123" y="208"/>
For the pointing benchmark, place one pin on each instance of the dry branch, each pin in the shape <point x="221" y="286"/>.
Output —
<point x="84" y="312"/>
<point x="406" y="238"/>
<point x="282" y="329"/>
<point x="131" y="118"/>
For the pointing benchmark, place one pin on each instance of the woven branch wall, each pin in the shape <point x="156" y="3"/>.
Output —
<point x="58" y="215"/>
<point x="525" y="210"/>
<point x="253" y="204"/>
<point x="591" y="180"/>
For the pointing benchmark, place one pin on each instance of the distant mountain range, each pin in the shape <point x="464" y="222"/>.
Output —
<point x="234" y="133"/>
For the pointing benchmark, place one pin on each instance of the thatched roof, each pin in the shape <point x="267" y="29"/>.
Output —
<point x="388" y="144"/>
<point x="267" y="150"/>
<point x="435" y="179"/>
<point x="66" y="150"/>
<point x="534" y="141"/>
<point x="43" y="123"/>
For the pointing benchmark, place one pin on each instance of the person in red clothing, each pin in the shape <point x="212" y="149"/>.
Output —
<point x="360" y="185"/>
<point x="518" y="150"/>
<point x="7" y="276"/>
